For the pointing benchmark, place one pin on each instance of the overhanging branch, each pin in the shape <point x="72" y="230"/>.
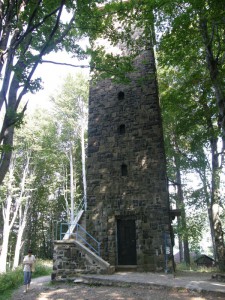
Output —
<point x="64" y="64"/>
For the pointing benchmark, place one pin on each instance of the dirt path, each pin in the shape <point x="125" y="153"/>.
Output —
<point x="42" y="289"/>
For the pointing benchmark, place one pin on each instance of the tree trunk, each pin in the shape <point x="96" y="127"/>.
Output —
<point x="215" y="207"/>
<point x="22" y="213"/>
<point x="83" y="166"/>
<point x="6" y="232"/>
<point x="208" y="199"/>
<point x="22" y="225"/>
<point x="65" y="194"/>
<point x="6" y="153"/>
<point x="180" y="243"/>
<point x="9" y="217"/>
<point x="219" y="239"/>
<point x="214" y="197"/>
<point x="212" y="231"/>
<point x="71" y="186"/>
<point x="180" y="200"/>
<point x="213" y="67"/>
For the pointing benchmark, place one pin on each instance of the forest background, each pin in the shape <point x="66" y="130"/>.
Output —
<point x="42" y="153"/>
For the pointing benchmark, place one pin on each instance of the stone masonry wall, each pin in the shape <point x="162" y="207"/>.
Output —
<point x="71" y="258"/>
<point x="125" y="131"/>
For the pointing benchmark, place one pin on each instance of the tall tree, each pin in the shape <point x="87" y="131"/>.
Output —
<point x="192" y="40"/>
<point x="15" y="205"/>
<point x="30" y="200"/>
<point x="71" y="109"/>
<point x="196" y="140"/>
<point x="45" y="205"/>
<point x="29" y="30"/>
<point x="192" y="34"/>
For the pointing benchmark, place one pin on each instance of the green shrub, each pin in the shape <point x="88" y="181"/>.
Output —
<point x="193" y="267"/>
<point x="13" y="279"/>
<point x="42" y="268"/>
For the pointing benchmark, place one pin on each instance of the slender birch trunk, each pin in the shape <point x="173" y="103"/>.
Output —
<point x="6" y="232"/>
<point x="22" y="213"/>
<point x="9" y="217"/>
<point x="65" y="195"/>
<point x="22" y="226"/>
<point x="71" y="185"/>
<point x="83" y="165"/>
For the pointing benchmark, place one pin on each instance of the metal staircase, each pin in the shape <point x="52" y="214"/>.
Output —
<point x="71" y="226"/>
<point x="82" y="236"/>
<point x="75" y="230"/>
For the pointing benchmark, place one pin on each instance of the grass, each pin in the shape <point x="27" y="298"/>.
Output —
<point x="42" y="268"/>
<point x="12" y="280"/>
<point x="182" y="267"/>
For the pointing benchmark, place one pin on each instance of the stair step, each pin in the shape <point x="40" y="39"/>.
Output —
<point x="126" y="268"/>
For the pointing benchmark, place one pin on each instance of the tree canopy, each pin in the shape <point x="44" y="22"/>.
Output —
<point x="29" y="30"/>
<point x="188" y="36"/>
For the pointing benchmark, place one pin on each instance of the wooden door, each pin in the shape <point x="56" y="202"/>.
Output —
<point x="126" y="239"/>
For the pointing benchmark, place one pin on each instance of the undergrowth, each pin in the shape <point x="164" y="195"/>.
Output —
<point x="194" y="268"/>
<point x="11" y="280"/>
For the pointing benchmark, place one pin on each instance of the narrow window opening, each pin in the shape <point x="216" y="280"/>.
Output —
<point x="121" y="95"/>
<point x="121" y="129"/>
<point x="124" y="170"/>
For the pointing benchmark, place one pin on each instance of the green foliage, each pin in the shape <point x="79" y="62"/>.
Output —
<point x="191" y="40"/>
<point x="42" y="268"/>
<point x="46" y="139"/>
<point x="190" y="53"/>
<point x="118" y="23"/>
<point x="13" y="279"/>
<point x="196" y="224"/>
<point x="14" y="118"/>
<point x="6" y="148"/>
<point x="189" y="106"/>
<point x="29" y="31"/>
<point x="182" y="268"/>
<point x="111" y="66"/>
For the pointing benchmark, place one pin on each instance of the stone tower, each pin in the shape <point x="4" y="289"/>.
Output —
<point x="127" y="196"/>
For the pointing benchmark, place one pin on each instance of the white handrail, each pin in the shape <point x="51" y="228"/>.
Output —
<point x="73" y="225"/>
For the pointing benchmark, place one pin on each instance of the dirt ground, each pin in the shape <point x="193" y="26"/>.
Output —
<point x="42" y="289"/>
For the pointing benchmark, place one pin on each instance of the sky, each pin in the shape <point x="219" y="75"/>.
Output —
<point x="53" y="75"/>
<point x="52" y="78"/>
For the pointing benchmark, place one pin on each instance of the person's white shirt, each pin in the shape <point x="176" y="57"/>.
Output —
<point x="28" y="262"/>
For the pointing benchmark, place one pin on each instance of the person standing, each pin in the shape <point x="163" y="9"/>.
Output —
<point x="28" y="268"/>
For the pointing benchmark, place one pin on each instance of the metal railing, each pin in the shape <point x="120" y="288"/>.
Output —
<point x="79" y="209"/>
<point x="80" y="235"/>
<point x="72" y="226"/>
